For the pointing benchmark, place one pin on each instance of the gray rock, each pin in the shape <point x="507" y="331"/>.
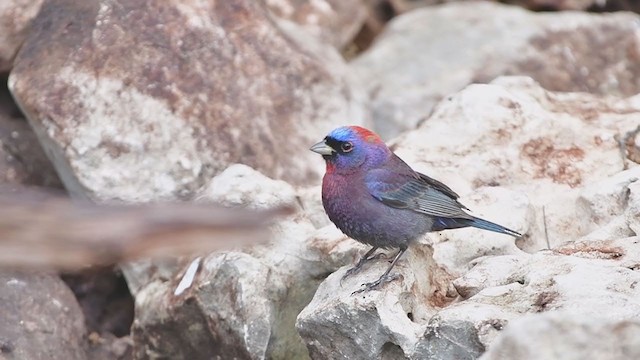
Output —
<point x="40" y="318"/>
<point x="429" y="53"/>
<point x="450" y="340"/>
<point x="209" y="84"/>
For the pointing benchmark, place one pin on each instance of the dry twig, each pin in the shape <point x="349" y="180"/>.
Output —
<point x="42" y="230"/>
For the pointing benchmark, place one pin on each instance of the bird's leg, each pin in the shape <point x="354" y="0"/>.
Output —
<point x="366" y="257"/>
<point x="384" y="278"/>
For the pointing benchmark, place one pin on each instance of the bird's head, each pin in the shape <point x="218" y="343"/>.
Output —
<point x="350" y="148"/>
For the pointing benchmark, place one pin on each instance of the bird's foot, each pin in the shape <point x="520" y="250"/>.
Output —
<point x="377" y="284"/>
<point x="356" y="269"/>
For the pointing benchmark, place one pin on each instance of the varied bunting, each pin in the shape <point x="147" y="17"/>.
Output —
<point x="377" y="199"/>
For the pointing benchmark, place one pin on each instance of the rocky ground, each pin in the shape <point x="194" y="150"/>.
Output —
<point x="533" y="117"/>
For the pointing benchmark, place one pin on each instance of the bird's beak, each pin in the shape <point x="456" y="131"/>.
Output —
<point x="322" y="148"/>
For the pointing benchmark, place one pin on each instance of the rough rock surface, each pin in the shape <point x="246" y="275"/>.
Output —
<point x="15" y="18"/>
<point x="210" y="83"/>
<point x="240" y="303"/>
<point x="335" y="22"/>
<point x="544" y="163"/>
<point x="547" y="146"/>
<point x="386" y="324"/>
<point x="500" y="289"/>
<point x="408" y="319"/>
<point x="563" y="51"/>
<point x="40" y="318"/>
<point x="550" y="335"/>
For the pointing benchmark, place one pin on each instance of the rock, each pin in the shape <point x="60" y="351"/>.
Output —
<point x="602" y="206"/>
<point x="240" y="303"/>
<point x="544" y="163"/>
<point x="240" y="185"/>
<point x="22" y="160"/>
<point x="454" y="250"/>
<point x="108" y="347"/>
<point x="561" y="336"/>
<point x="385" y="324"/>
<point x="225" y="84"/>
<point x="632" y="215"/>
<point x="311" y="201"/>
<point x="40" y="318"/>
<point x="500" y="289"/>
<point x="15" y="18"/>
<point x="335" y="22"/>
<point x="545" y="145"/>
<point x="555" y="49"/>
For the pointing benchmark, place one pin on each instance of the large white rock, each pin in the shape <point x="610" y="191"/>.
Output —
<point x="557" y="335"/>
<point x="500" y="289"/>
<point x="546" y="146"/>
<point x="543" y="163"/>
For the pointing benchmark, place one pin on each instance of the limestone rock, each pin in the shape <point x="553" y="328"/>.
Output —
<point x="240" y="303"/>
<point x="381" y="324"/>
<point x="209" y="83"/>
<point x="558" y="335"/>
<point x="454" y="250"/>
<point x="40" y="318"/>
<point x="429" y="53"/>
<point x="545" y="145"/>
<point x="15" y="18"/>
<point x="547" y="164"/>
<point x="500" y="289"/>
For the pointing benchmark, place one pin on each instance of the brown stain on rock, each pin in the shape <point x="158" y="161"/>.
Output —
<point x="557" y="164"/>
<point x="440" y="280"/>
<point x="544" y="300"/>
<point x="592" y="250"/>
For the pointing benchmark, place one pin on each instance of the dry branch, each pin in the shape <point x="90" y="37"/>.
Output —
<point x="44" y="230"/>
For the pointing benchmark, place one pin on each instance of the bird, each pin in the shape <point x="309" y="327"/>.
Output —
<point x="375" y="198"/>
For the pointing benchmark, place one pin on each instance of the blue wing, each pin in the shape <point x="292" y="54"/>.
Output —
<point x="400" y="187"/>
<point x="415" y="191"/>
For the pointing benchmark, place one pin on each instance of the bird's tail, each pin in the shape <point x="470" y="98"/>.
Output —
<point x="456" y="223"/>
<point x="488" y="225"/>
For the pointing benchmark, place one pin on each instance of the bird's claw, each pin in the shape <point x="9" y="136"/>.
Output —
<point x="377" y="284"/>
<point x="356" y="269"/>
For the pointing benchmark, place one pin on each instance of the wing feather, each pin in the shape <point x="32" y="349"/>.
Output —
<point x="415" y="191"/>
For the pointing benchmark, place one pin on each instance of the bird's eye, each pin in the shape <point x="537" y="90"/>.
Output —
<point x="346" y="147"/>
